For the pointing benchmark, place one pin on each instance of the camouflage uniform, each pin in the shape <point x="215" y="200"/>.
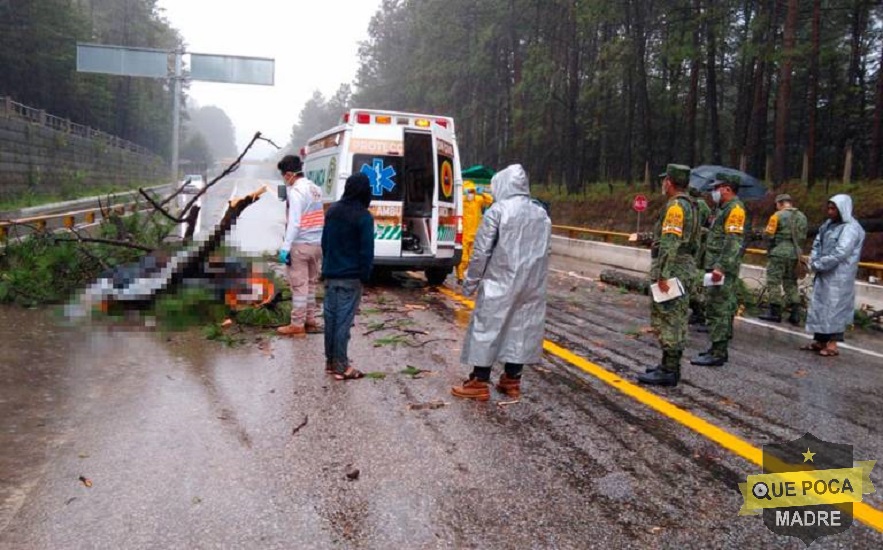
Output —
<point x="697" y="293"/>
<point x="675" y="240"/>
<point x="783" y="228"/>
<point x="723" y="252"/>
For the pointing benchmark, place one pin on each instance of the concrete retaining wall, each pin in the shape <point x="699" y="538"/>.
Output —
<point x="42" y="160"/>
<point x="638" y="260"/>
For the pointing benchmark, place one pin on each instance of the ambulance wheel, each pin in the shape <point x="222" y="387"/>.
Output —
<point x="437" y="275"/>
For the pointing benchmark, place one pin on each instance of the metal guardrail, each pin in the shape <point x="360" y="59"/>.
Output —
<point x="607" y="236"/>
<point x="68" y="219"/>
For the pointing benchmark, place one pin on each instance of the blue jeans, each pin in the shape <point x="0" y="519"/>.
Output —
<point x="342" y="298"/>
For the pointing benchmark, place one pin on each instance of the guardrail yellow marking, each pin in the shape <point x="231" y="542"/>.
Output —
<point x="865" y="513"/>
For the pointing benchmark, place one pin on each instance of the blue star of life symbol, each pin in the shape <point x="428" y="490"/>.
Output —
<point x="380" y="177"/>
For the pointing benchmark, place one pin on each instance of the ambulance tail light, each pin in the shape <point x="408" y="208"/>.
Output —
<point x="383" y="119"/>
<point x="346" y="118"/>
<point x="421" y="123"/>
<point x="442" y="122"/>
<point x="363" y="118"/>
<point x="459" y="238"/>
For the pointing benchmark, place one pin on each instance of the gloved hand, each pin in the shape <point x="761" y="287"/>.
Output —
<point x="285" y="257"/>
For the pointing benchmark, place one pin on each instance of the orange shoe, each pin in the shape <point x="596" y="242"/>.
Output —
<point x="292" y="330"/>
<point x="472" y="388"/>
<point x="511" y="387"/>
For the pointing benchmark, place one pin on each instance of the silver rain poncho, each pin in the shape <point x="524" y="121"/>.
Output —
<point x="834" y="261"/>
<point x="510" y="260"/>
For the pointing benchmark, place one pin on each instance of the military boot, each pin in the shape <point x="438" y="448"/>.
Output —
<point x="774" y="314"/>
<point x="794" y="317"/>
<point x="668" y="374"/>
<point x="716" y="357"/>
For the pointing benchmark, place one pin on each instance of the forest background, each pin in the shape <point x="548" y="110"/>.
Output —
<point x="593" y="97"/>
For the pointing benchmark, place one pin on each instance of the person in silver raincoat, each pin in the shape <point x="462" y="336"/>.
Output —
<point x="510" y="260"/>
<point x="834" y="261"/>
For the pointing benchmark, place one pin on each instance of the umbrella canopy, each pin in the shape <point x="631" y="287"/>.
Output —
<point x="478" y="174"/>
<point x="703" y="176"/>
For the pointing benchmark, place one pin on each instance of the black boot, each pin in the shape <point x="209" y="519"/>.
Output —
<point x="667" y="374"/>
<point x="717" y="356"/>
<point x="794" y="317"/>
<point x="660" y="378"/>
<point x="696" y="318"/>
<point x="774" y="314"/>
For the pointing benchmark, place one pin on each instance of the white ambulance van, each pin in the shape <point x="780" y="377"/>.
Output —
<point x="413" y="164"/>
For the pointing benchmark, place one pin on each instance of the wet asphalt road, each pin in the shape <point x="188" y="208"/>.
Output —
<point x="189" y="443"/>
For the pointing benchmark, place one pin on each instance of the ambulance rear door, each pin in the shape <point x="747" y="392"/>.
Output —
<point x="448" y="183"/>
<point x="377" y="150"/>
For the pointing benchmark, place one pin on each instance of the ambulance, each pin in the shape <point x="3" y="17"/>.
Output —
<point x="413" y="164"/>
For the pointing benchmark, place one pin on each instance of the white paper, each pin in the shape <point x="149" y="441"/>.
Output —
<point x="706" y="281"/>
<point x="675" y="290"/>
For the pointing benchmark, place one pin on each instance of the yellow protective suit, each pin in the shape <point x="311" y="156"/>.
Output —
<point x="473" y="206"/>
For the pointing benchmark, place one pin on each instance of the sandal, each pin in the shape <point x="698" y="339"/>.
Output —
<point x="829" y="352"/>
<point x="349" y="374"/>
<point x="813" y="346"/>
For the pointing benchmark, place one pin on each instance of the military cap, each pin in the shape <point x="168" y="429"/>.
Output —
<point x="678" y="173"/>
<point x="784" y="197"/>
<point x="723" y="178"/>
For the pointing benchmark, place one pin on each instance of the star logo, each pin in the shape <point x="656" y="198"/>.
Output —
<point x="807" y="456"/>
<point x="380" y="177"/>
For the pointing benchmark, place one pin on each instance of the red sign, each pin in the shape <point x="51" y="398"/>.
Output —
<point x="640" y="203"/>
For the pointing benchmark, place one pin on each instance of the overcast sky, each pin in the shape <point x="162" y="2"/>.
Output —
<point x="314" y="43"/>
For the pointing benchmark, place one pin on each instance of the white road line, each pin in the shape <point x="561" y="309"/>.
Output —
<point x="757" y="323"/>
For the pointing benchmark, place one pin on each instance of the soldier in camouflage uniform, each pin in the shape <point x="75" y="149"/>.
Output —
<point x="723" y="258"/>
<point x="697" y="293"/>
<point x="785" y="228"/>
<point x="675" y="239"/>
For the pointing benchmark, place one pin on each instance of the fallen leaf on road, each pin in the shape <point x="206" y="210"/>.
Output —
<point x="196" y="500"/>
<point x="431" y="405"/>
<point x="86" y="481"/>
<point x="542" y="370"/>
<point x="505" y="403"/>
<point x="415" y="307"/>
<point x="227" y="323"/>
<point x="301" y="425"/>
<point x="352" y="473"/>
<point x="800" y="373"/>
<point x="655" y="529"/>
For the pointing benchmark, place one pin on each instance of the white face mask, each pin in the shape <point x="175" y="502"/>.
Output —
<point x="716" y="196"/>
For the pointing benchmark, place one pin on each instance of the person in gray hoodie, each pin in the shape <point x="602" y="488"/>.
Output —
<point x="834" y="261"/>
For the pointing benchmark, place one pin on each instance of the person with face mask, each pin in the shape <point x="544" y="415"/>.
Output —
<point x="301" y="250"/>
<point x="723" y="259"/>
<point x="474" y="204"/>
<point x="675" y="241"/>
<point x="785" y="232"/>
<point x="834" y="259"/>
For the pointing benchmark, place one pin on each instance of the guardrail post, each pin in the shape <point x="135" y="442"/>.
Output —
<point x="41" y="117"/>
<point x="7" y="106"/>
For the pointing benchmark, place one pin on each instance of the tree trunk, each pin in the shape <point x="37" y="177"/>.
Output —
<point x="693" y="94"/>
<point x="711" y="91"/>
<point x="783" y="100"/>
<point x="813" y="96"/>
<point x="877" y="132"/>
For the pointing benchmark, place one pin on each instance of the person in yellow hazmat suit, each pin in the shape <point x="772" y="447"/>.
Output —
<point x="474" y="204"/>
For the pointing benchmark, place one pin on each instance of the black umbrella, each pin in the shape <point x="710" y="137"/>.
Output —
<point x="703" y="176"/>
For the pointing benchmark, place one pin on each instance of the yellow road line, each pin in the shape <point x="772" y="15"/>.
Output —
<point x="865" y="513"/>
